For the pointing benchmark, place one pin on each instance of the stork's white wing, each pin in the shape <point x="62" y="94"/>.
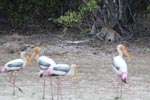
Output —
<point x="119" y="64"/>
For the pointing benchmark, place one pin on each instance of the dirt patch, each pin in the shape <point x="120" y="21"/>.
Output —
<point x="97" y="78"/>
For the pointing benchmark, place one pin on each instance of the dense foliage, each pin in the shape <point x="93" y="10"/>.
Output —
<point x="73" y="13"/>
<point x="72" y="17"/>
<point x="148" y="10"/>
<point x="18" y="11"/>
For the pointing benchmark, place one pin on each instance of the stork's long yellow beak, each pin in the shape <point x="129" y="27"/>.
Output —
<point x="125" y="52"/>
<point x="76" y="73"/>
<point x="28" y="62"/>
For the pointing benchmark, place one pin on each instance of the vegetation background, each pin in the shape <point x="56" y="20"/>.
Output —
<point x="79" y="17"/>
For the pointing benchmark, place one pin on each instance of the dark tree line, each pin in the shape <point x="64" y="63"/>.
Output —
<point x="86" y="14"/>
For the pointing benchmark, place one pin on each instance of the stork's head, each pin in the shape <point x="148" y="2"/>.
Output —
<point x="36" y="51"/>
<point x="25" y="56"/>
<point x="122" y="50"/>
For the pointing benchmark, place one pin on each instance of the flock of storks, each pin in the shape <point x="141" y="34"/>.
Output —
<point x="48" y="67"/>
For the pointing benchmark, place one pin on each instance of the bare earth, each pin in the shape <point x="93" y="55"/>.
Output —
<point x="97" y="78"/>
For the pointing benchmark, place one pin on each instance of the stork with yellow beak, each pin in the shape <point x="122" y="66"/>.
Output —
<point x="13" y="66"/>
<point x="43" y="61"/>
<point x="120" y="67"/>
<point x="61" y="70"/>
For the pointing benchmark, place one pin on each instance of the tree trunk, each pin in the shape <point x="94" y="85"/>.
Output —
<point x="112" y="13"/>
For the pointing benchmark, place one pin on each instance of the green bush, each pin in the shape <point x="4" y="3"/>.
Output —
<point x="75" y="18"/>
<point x="148" y="12"/>
<point x="72" y="17"/>
<point x="63" y="12"/>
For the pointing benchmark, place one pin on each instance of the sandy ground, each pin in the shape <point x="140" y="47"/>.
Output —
<point x="97" y="78"/>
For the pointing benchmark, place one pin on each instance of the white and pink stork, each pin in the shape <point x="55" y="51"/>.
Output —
<point x="120" y="67"/>
<point x="48" y="67"/>
<point x="43" y="61"/>
<point x="13" y="66"/>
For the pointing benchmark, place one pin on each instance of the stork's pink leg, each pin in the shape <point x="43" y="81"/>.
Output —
<point x="121" y="89"/>
<point x="52" y="90"/>
<point x="14" y="82"/>
<point x="10" y="77"/>
<point x="44" y="88"/>
<point x="117" y="91"/>
<point x="59" y="88"/>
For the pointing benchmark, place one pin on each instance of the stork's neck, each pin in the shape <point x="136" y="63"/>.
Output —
<point x="119" y="52"/>
<point x="37" y="57"/>
<point x="25" y="60"/>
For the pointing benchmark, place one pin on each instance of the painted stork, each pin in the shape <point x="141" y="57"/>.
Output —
<point x="61" y="70"/>
<point x="43" y="61"/>
<point x="120" y="67"/>
<point x="13" y="66"/>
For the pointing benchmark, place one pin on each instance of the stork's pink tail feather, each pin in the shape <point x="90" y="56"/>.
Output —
<point x="48" y="72"/>
<point x="4" y="69"/>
